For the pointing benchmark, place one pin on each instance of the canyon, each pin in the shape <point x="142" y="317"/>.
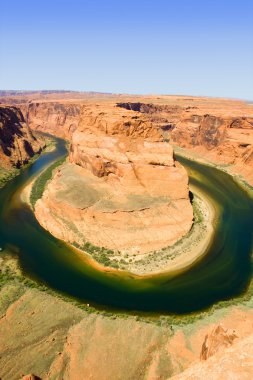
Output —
<point x="121" y="188"/>
<point x="121" y="150"/>
<point x="219" y="130"/>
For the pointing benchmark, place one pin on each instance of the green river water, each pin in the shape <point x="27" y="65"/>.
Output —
<point x="223" y="272"/>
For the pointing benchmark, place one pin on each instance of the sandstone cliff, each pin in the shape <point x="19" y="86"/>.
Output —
<point x="121" y="189"/>
<point x="222" y="139"/>
<point x="219" y="130"/>
<point x="57" y="118"/>
<point x="17" y="142"/>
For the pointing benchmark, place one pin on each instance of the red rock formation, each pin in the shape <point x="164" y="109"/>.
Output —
<point x="57" y="118"/>
<point x="219" y="130"/>
<point x="219" y="339"/>
<point x="123" y="191"/>
<point x="207" y="131"/>
<point x="17" y="142"/>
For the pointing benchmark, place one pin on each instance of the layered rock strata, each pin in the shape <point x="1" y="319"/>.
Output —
<point x="17" y="142"/>
<point x="218" y="130"/>
<point x="57" y="118"/>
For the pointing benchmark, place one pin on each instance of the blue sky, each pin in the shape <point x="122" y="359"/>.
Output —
<point x="136" y="46"/>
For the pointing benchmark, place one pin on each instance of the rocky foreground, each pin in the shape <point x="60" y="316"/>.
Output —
<point x="53" y="339"/>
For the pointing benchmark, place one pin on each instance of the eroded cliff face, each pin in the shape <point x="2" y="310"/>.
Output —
<point x="17" y="142"/>
<point x="222" y="140"/>
<point x="217" y="340"/>
<point x="121" y="189"/>
<point x="218" y="130"/>
<point x="208" y="131"/>
<point x="57" y="118"/>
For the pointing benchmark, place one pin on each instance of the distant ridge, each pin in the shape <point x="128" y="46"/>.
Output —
<point x="45" y="92"/>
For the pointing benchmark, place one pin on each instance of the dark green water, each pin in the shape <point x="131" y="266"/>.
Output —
<point x="224" y="272"/>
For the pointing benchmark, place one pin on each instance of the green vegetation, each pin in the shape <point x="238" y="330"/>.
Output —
<point x="9" y="278"/>
<point x="40" y="183"/>
<point x="7" y="175"/>
<point x="101" y="255"/>
<point x="198" y="216"/>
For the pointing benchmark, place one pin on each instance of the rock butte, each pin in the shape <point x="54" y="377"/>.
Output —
<point x="121" y="189"/>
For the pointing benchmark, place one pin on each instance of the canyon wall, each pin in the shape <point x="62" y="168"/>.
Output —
<point x="17" y="142"/>
<point x="121" y="189"/>
<point x="219" y="130"/>
<point x="57" y="118"/>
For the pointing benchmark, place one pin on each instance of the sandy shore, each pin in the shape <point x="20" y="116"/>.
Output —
<point x="26" y="192"/>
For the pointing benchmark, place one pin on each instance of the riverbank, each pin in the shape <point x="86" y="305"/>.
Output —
<point x="7" y="175"/>
<point x="25" y="193"/>
<point x="229" y="169"/>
